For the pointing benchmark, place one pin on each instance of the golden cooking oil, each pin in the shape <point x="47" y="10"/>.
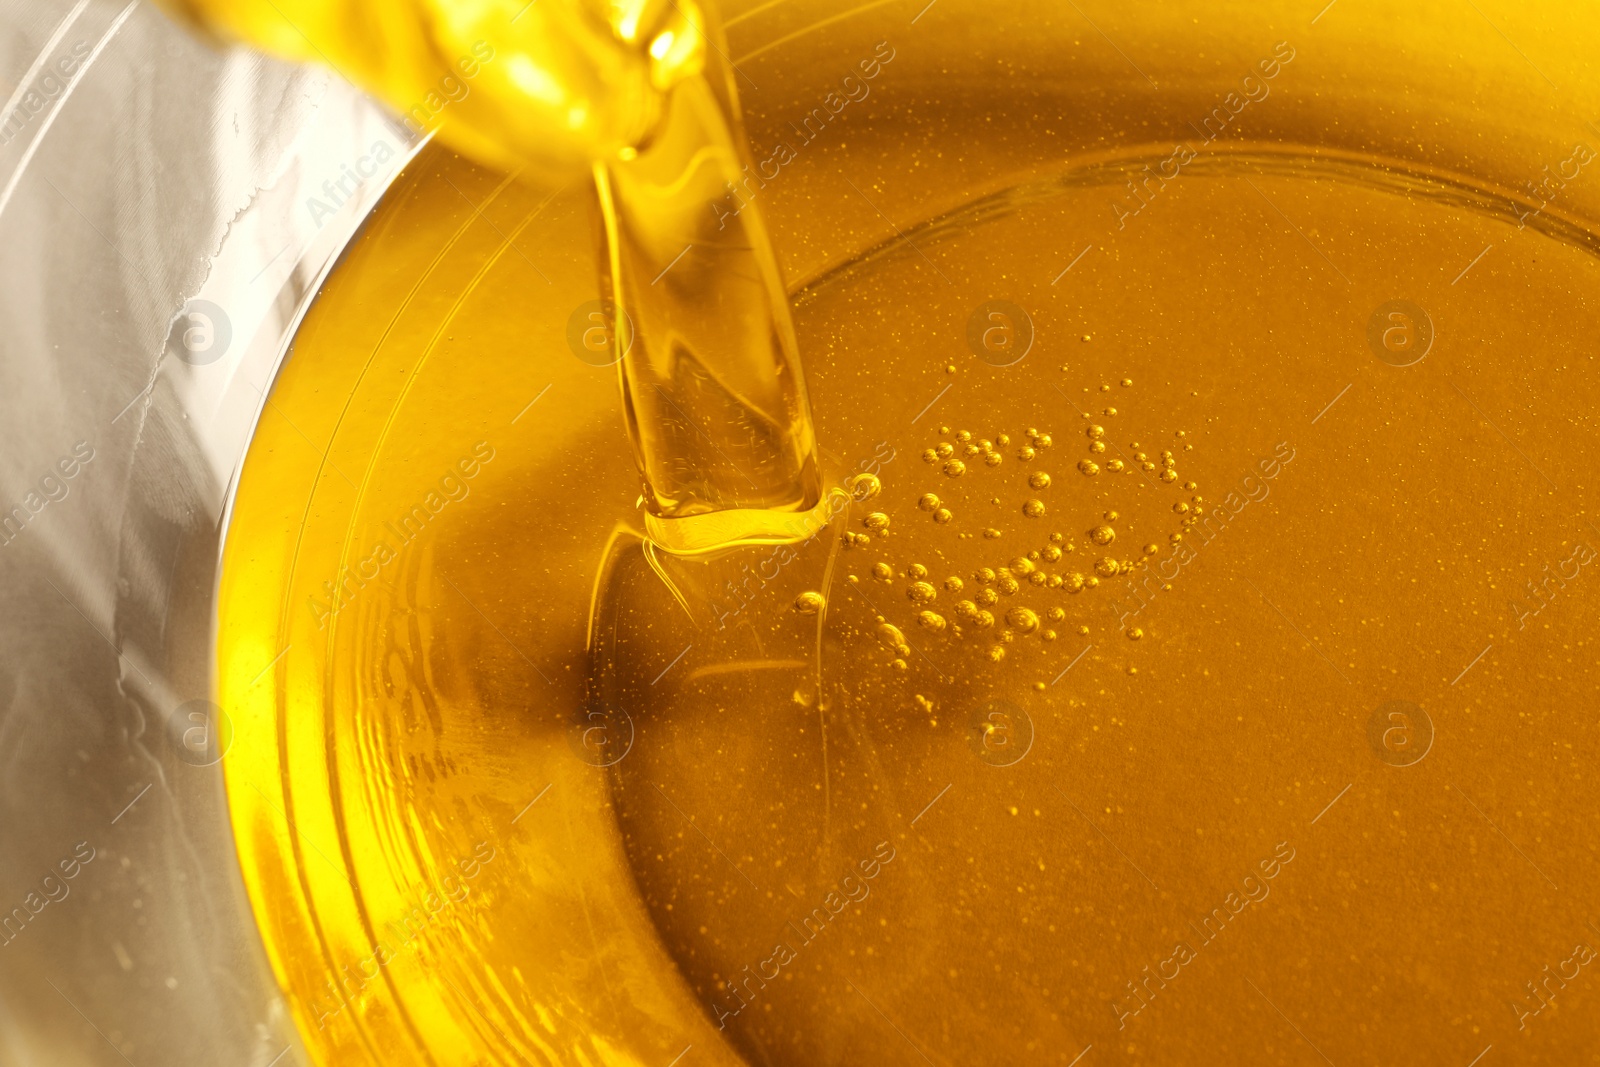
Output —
<point x="1181" y="661"/>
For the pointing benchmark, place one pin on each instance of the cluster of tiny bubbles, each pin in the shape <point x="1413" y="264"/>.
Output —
<point x="956" y="455"/>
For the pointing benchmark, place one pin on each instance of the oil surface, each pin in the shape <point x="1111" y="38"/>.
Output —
<point x="1190" y="666"/>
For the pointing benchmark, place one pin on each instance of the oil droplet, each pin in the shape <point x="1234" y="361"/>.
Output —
<point x="1057" y="614"/>
<point x="1008" y="585"/>
<point x="949" y="368"/>
<point x="1089" y="467"/>
<point x="954" y="584"/>
<point x="1051" y="554"/>
<point x="1084" y="630"/>
<point x="1102" y="535"/>
<point x="1022" y="620"/>
<point x="877" y="522"/>
<point x="1042" y="442"/>
<point x="944" y="431"/>
<point x="1111" y="516"/>
<point x="955" y="468"/>
<point x="1106" y="567"/>
<point x="966" y="609"/>
<point x="942" y="516"/>
<point x="1151" y="549"/>
<point x="932" y="621"/>
<point x="1025" y="453"/>
<point x="991" y="533"/>
<point x="1127" y="382"/>
<point x="1097" y="447"/>
<point x="1074" y="583"/>
<point x="922" y="593"/>
<point x="1096" y="432"/>
<point x="1033" y="508"/>
<point x="1039" y="480"/>
<point x="1022" y="565"/>
<point x="899" y="665"/>
<point x="928" y="502"/>
<point x="1134" y="633"/>
<point x="1116" y="466"/>
<point x="1181" y="508"/>
<point x="1092" y="582"/>
<point x="984" y="576"/>
<point x="997" y="653"/>
<point x="883" y="572"/>
<point x="993" y="459"/>
<point x="1169" y="475"/>
<point x="930" y="456"/>
<point x="917" y="571"/>
<point x="1111" y="411"/>
<point x="982" y="620"/>
<point x="809" y="603"/>
<point x="890" y="635"/>
<point x="1086" y="337"/>
<point x="865" y="486"/>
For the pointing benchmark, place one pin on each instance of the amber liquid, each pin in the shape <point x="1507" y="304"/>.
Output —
<point x="1098" y="750"/>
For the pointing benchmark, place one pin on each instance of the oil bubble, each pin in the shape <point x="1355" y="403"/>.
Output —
<point x="809" y="603"/>
<point x="1022" y="620"/>
<point x="865" y="486"/>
